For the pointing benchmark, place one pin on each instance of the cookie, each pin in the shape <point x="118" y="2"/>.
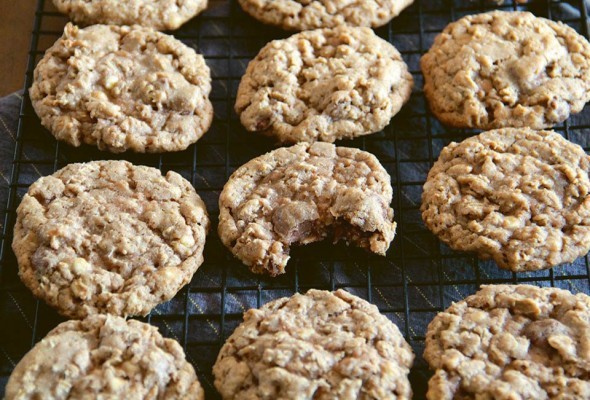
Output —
<point x="511" y="342"/>
<point x="109" y="237"/>
<point x="323" y="85"/>
<point x="313" y="14"/>
<point x="104" y="357"/>
<point x="157" y="14"/>
<point x="506" y="69"/>
<point x="519" y="196"/>
<point x="321" y="345"/>
<point x="302" y="194"/>
<point x="123" y="88"/>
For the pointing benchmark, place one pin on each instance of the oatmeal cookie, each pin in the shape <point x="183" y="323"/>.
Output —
<point x="156" y="14"/>
<point x="506" y="69"/>
<point x="321" y="345"/>
<point x="302" y="194"/>
<point x="511" y="342"/>
<point x="104" y="357"/>
<point x="123" y="88"/>
<point x="109" y="237"/>
<point x="519" y="196"/>
<point x="312" y="14"/>
<point x="324" y="85"/>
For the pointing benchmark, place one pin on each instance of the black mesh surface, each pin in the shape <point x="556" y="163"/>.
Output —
<point x="418" y="278"/>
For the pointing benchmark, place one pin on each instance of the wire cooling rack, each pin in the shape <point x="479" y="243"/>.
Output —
<point x="418" y="278"/>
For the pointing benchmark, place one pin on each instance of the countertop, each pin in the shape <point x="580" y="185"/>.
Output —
<point x="16" y="24"/>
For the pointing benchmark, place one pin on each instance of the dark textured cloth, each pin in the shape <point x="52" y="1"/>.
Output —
<point x="9" y="112"/>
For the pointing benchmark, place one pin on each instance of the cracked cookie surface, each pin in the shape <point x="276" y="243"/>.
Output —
<point x="519" y="196"/>
<point x="157" y="14"/>
<point x="321" y="345"/>
<point x="104" y="357"/>
<point x="109" y="237"/>
<point x="312" y="14"/>
<point x="511" y="342"/>
<point x="302" y="194"/>
<point x="323" y="85"/>
<point x="123" y="88"/>
<point x="506" y="69"/>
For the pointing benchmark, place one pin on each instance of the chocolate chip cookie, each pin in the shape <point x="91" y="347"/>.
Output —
<point x="321" y="345"/>
<point x="109" y="237"/>
<point x="157" y="14"/>
<point x="123" y="88"/>
<point x="511" y="342"/>
<point x="312" y="14"/>
<point x="519" y="196"/>
<point x="323" y="85"/>
<point x="506" y="69"/>
<point x="302" y="194"/>
<point x="104" y="357"/>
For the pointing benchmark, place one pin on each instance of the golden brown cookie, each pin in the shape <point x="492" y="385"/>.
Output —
<point x="323" y="85"/>
<point x="511" y="342"/>
<point x="519" y="196"/>
<point x="123" y="88"/>
<point x="104" y="357"/>
<point x="157" y="14"/>
<point x="109" y="237"/>
<point x="320" y="345"/>
<point x="506" y="69"/>
<point x="302" y="194"/>
<point x="312" y="14"/>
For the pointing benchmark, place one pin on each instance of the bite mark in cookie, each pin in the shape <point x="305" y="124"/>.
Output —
<point x="302" y="194"/>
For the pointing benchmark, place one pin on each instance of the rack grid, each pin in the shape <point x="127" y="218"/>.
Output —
<point x="419" y="277"/>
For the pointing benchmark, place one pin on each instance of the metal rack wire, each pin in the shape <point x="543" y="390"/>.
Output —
<point x="418" y="278"/>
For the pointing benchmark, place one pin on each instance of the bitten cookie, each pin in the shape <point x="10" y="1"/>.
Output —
<point x="313" y="14"/>
<point x="320" y="345"/>
<point x="511" y="342"/>
<point x="519" y="196"/>
<point x="324" y="85"/>
<point x="104" y="357"/>
<point x="157" y="14"/>
<point x="123" y="88"/>
<point x="302" y="194"/>
<point x="109" y="237"/>
<point x="506" y="69"/>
